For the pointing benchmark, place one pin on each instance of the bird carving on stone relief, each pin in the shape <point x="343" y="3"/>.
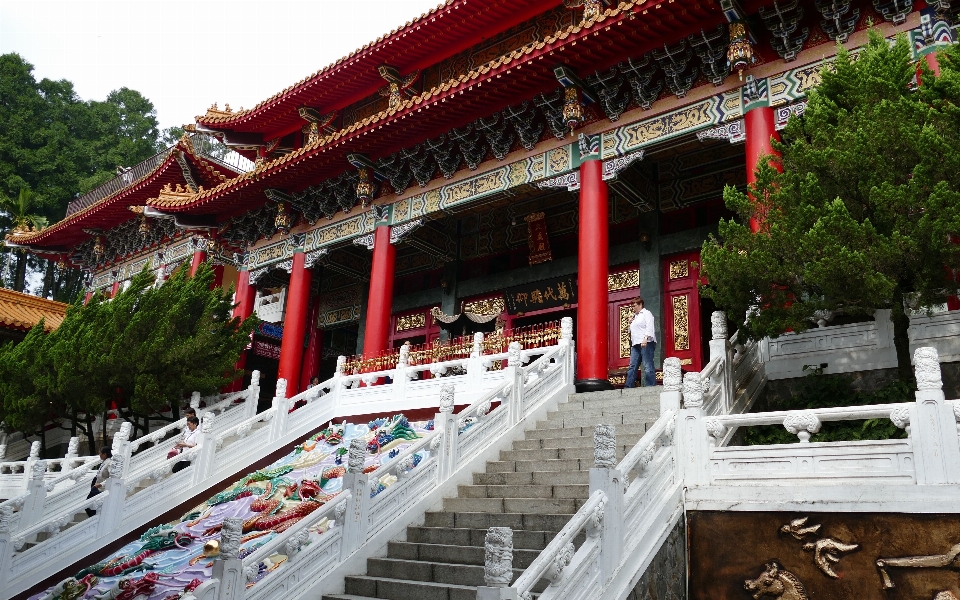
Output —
<point x="827" y="551"/>
<point x="798" y="529"/>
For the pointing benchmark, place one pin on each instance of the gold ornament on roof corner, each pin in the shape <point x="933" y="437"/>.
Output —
<point x="364" y="187"/>
<point x="284" y="220"/>
<point x="144" y="227"/>
<point x="740" y="52"/>
<point x="572" y="109"/>
<point x="62" y="263"/>
<point x="98" y="248"/>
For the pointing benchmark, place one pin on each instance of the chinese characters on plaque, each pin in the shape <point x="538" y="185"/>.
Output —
<point x="537" y="238"/>
<point x="541" y="294"/>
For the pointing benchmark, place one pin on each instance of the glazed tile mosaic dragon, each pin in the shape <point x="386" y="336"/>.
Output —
<point x="168" y="561"/>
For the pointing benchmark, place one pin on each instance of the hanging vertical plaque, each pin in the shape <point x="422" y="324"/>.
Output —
<point x="537" y="238"/>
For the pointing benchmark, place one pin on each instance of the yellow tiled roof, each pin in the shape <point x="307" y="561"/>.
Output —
<point x="23" y="311"/>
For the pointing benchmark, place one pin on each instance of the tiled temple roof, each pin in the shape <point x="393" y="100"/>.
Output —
<point x="23" y="311"/>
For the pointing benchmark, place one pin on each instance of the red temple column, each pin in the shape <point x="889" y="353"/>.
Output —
<point x="114" y="289"/>
<point x="217" y="276"/>
<point x="86" y="297"/>
<point x="380" y="300"/>
<point x="592" y="319"/>
<point x="295" y="324"/>
<point x="311" y="360"/>
<point x="760" y="126"/>
<point x="246" y="298"/>
<point x="198" y="257"/>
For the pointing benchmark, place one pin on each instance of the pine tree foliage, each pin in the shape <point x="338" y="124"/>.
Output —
<point x="862" y="215"/>
<point x="144" y="350"/>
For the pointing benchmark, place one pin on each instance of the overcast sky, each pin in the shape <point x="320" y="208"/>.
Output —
<point x="186" y="54"/>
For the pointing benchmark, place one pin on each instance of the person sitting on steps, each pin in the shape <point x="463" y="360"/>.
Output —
<point x="190" y="439"/>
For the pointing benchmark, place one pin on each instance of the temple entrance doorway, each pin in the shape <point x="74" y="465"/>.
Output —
<point x="681" y="310"/>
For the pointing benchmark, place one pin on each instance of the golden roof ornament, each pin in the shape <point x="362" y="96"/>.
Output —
<point x="740" y="51"/>
<point x="572" y="108"/>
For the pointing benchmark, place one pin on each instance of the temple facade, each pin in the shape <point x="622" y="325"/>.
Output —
<point x="490" y="166"/>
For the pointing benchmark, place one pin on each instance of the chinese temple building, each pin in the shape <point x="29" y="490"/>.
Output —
<point x="490" y="166"/>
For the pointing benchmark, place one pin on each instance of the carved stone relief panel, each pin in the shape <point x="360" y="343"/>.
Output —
<point x="841" y="556"/>
<point x="665" y="578"/>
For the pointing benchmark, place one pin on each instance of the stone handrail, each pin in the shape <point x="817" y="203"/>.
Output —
<point x="373" y="503"/>
<point x="626" y="528"/>
<point x="224" y="449"/>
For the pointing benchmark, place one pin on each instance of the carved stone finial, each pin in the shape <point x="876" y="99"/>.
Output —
<point x="605" y="446"/>
<point x="38" y="469"/>
<point x="900" y="417"/>
<point x="281" y="388"/>
<point x="231" y="535"/>
<point x="34" y="450"/>
<point x="718" y="325"/>
<point x="3" y="450"/>
<point x="122" y="436"/>
<point x="513" y="353"/>
<point x="692" y="390"/>
<point x="73" y="446"/>
<point x="566" y="328"/>
<point x="926" y="364"/>
<point x="206" y="423"/>
<point x="8" y="518"/>
<point x="715" y="429"/>
<point x="341" y="363"/>
<point x="802" y="425"/>
<point x="446" y="397"/>
<point x="195" y="400"/>
<point x="498" y="557"/>
<point x="403" y="361"/>
<point x="478" y="344"/>
<point x="255" y="378"/>
<point x="672" y="375"/>
<point x="356" y="455"/>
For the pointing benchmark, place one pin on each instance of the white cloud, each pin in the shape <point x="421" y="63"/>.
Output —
<point x="186" y="54"/>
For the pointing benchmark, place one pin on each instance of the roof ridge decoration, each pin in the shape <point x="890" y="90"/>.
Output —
<point x="214" y="115"/>
<point x="320" y="141"/>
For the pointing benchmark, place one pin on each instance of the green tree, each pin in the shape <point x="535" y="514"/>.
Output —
<point x="60" y="146"/>
<point x="861" y="216"/>
<point x="145" y="349"/>
<point x="18" y="216"/>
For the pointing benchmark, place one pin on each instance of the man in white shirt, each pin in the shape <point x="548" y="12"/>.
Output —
<point x="643" y="344"/>
<point x="191" y="437"/>
<point x="103" y="474"/>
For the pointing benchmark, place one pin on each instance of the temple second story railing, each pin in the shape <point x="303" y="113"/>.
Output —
<point x="529" y="337"/>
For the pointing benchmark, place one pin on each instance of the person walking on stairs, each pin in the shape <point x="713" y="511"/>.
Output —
<point x="103" y="474"/>
<point x="643" y="345"/>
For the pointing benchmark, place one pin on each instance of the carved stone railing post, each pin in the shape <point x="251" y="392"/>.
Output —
<point x="228" y="568"/>
<point x="110" y="513"/>
<point x="672" y="382"/>
<point x="720" y="348"/>
<point x="446" y="424"/>
<point x="120" y="447"/>
<point x="195" y="400"/>
<point x="605" y="476"/>
<point x="400" y="377"/>
<point x="692" y="444"/>
<point x="32" y="510"/>
<point x="933" y="430"/>
<point x="514" y="376"/>
<point x="207" y="442"/>
<point x="355" y="480"/>
<point x="280" y="402"/>
<point x="252" y="397"/>
<point x="32" y="458"/>
<point x="9" y="522"/>
<point x="73" y="447"/>
<point x="497" y="565"/>
<point x="475" y="363"/>
<point x="566" y="339"/>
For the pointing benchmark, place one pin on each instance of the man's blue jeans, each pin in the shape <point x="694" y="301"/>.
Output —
<point x="642" y="354"/>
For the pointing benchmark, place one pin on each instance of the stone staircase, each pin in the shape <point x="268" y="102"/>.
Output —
<point x="534" y="489"/>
